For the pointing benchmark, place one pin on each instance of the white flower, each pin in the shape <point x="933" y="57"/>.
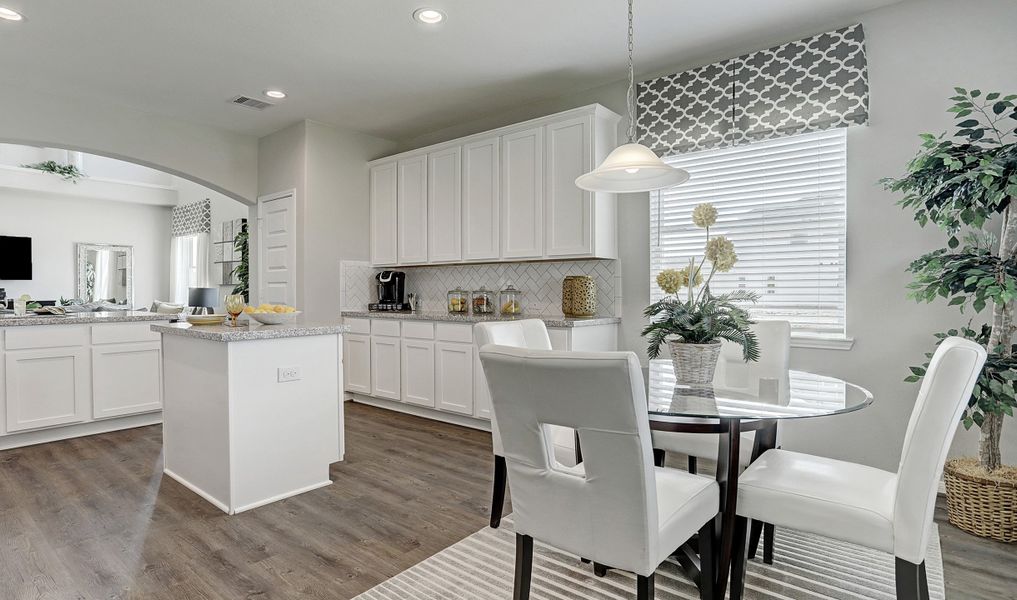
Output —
<point x="704" y="215"/>
<point x="721" y="252"/>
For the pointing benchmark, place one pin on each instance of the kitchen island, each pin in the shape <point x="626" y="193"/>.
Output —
<point x="252" y="414"/>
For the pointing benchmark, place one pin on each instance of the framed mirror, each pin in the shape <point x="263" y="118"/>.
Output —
<point x="105" y="273"/>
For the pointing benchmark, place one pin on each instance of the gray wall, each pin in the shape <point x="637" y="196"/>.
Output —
<point x="918" y="50"/>
<point x="327" y="166"/>
<point x="223" y="161"/>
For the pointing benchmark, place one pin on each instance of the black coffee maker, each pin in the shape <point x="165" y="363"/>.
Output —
<point x="391" y="292"/>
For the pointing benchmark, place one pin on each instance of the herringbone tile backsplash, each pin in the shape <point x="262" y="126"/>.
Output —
<point x="540" y="283"/>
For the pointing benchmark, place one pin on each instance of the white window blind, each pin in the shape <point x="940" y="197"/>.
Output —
<point x="782" y="203"/>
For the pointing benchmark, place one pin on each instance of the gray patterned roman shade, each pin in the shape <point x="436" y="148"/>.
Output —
<point x="798" y="87"/>
<point x="192" y="218"/>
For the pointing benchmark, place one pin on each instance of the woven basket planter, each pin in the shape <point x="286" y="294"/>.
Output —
<point x="980" y="505"/>
<point x="694" y="363"/>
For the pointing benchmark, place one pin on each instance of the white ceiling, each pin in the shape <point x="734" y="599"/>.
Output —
<point x="365" y="64"/>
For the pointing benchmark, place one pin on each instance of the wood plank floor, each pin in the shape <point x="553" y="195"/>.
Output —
<point x="93" y="518"/>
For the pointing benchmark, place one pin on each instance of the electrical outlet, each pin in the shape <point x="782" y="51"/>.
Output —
<point x="289" y="374"/>
<point x="536" y="307"/>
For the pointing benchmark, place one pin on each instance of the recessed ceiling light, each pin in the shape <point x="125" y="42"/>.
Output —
<point x="429" y="16"/>
<point x="10" y="15"/>
<point x="277" y="94"/>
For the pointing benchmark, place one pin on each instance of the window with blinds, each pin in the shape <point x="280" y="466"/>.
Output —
<point x="782" y="202"/>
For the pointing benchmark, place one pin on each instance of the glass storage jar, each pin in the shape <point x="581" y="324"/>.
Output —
<point x="510" y="301"/>
<point x="458" y="301"/>
<point x="483" y="301"/>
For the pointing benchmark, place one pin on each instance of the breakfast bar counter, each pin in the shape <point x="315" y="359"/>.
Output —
<point x="251" y="414"/>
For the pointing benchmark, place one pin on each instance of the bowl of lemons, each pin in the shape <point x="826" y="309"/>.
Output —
<point x="272" y="314"/>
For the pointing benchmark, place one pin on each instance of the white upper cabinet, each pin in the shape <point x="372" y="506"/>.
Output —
<point x="444" y="202"/>
<point x="522" y="194"/>
<point x="383" y="214"/>
<point x="481" y="200"/>
<point x="503" y="195"/>
<point x="412" y="210"/>
<point x="569" y="210"/>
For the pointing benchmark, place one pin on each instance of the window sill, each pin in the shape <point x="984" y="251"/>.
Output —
<point x="821" y="343"/>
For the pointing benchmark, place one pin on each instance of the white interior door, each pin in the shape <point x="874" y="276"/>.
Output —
<point x="277" y="249"/>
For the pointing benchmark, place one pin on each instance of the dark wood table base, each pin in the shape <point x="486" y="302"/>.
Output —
<point x="726" y="541"/>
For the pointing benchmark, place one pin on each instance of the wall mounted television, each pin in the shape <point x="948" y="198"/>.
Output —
<point x="15" y="257"/>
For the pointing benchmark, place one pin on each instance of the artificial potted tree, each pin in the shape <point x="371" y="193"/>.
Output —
<point x="965" y="184"/>
<point x="693" y="323"/>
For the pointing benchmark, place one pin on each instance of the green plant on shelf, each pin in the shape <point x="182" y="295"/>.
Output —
<point x="240" y="271"/>
<point x="67" y="172"/>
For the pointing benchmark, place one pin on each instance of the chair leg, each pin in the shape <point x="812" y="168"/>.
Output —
<point x="739" y="559"/>
<point x="768" y="533"/>
<point x="755" y="530"/>
<point x="498" y="493"/>
<point x="912" y="582"/>
<point x="644" y="587"/>
<point x="658" y="457"/>
<point x="707" y="561"/>
<point x="600" y="570"/>
<point x="692" y="465"/>
<point x="524" y="567"/>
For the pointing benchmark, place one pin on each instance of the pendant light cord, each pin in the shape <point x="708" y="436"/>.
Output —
<point x="630" y="98"/>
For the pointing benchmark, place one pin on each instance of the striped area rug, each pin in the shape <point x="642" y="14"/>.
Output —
<point x="805" y="566"/>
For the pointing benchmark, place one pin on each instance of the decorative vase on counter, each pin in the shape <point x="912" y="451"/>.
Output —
<point x="578" y="296"/>
<point x="694" y="363"/>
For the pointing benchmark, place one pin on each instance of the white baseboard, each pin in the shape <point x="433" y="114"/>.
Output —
<point x="197" y="490"/>
<point x="65" y="432"/>
<point x="423" y="411"/>
<point x="265" y="501"/>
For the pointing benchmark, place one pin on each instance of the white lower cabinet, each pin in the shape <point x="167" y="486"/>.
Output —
<point x="418" y="372"/>
<point x="126" y="379"/>
<point x="357" y="363"/>
<point x="434" y="364"/>
<point x="385" y="370"/>
<point x="46" y="387"/>
<point x="453" y="368"/>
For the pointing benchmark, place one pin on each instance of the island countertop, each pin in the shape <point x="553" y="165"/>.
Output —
<point x="127" y="316"/>
<point x="554" y="322"/>
<point x="247" y="332"/>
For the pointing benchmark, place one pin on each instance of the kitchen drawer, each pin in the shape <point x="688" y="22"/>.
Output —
<point x="46" y="336"/>
<point x="125" y="333"/>
<point x="385" y="327"/>
<point x="453" y="332"/>
<point x="360" y="326"/>
<point x="418" y="329"/>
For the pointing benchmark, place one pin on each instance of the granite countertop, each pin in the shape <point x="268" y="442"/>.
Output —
<point x="243" y="333"/>
<point x="561" y="322"/>
<point x="83" y="318"/>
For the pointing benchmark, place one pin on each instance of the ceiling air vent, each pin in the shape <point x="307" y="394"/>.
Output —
<point x="251" y="102"/>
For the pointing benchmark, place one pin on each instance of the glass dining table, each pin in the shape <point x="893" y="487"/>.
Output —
<point x="740" y="400"/>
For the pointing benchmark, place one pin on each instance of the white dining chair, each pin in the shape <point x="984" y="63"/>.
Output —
<point x="618" y="509"/>
<point x="891" y="512"/>
<point x="527" y="333"/>
<point x="733" y="372"/>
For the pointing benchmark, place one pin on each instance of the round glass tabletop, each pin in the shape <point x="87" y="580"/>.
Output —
<point x="745" y="393"/>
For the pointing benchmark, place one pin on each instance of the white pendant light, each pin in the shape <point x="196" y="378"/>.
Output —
<point x="632" y="167"/>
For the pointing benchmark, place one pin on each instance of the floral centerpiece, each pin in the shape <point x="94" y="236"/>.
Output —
<point x="692" y="320"/>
